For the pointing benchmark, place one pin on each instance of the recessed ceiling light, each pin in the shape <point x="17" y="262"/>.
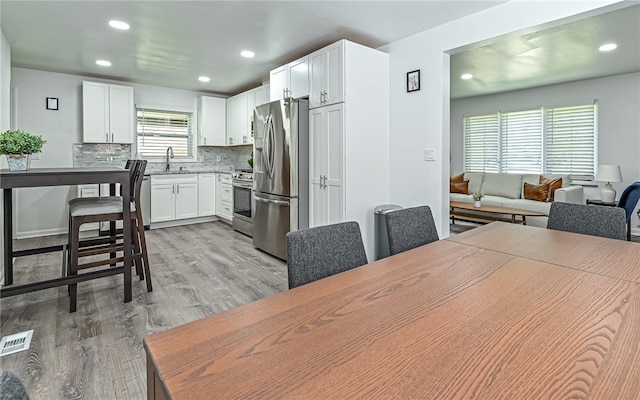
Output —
<point x="247" y="54"/>
<point x="466" y="76"/>
<point x="119" y="25"/>
<point x="608" y="47"/>
<point x="204" y="79"/>
<point x="103" y="63"/>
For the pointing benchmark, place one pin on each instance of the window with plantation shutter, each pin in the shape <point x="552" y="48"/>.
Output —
<point x="571" y="141"/>
<point x="560" y="140"/>
<point x="159" y="129"/>
<point x="521" y="142"/>
<point x="481" y="143"/>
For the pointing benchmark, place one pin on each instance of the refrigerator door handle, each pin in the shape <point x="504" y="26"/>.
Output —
<point x="278" y="202"/>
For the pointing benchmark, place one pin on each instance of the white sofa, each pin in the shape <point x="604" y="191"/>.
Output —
<point x="507" y="190"/>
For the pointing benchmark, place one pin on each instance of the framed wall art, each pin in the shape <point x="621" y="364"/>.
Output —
<point x="413" y="81"/>
<point x="52" y="103"/>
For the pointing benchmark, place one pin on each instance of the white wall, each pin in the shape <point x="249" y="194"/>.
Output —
<point x="421" y="119"/>
<point x="618" y="119"/>
<point x="47" y="207"/>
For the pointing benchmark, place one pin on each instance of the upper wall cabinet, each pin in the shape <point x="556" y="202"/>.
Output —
<point x="291" y="80"/>
<point x="326" y="75"/>
<point x="261" y="95"/>
<point x="107" y="113"/>
<point x="211" y="121"/>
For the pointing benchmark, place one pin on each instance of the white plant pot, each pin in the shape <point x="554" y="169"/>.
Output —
<point x="18" y="162"/>
<point x="476" y="203"/>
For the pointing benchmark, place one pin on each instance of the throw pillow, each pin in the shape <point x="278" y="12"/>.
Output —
<point x="459" y="187"/>
<point x="457" y="178"/>
<point x="553" y="185"/>
<point x="536" y="192"/>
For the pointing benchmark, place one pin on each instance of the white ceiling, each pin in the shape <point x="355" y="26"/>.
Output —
<point x="171" y="43"/>
<point x="563" y="53"/>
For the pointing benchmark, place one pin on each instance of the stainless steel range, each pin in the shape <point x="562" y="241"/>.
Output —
<point x="243" y="201"/>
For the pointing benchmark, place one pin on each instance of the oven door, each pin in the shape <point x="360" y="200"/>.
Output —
<point x="242" y="207"/>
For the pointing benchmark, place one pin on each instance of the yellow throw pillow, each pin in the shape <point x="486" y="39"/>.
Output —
<point x="553" y="185"/>
<point x="459" y="187"/>
<point x="536" y="192"/>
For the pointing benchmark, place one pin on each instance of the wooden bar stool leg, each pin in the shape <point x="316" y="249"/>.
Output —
<point x="143" y="249"/>
<point x="73" y="262"/>
<point x="137" y="251"/>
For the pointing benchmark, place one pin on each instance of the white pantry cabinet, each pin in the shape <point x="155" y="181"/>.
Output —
<point x="174" y="197"/>
<point x="291" y="80"/>
<point x="206" y="194"/>
<point x="326" y="169"/>
<point x="224" y="196"/>
<point x="326" y="75"/>
<point x="107" y="113"/>
<point x="349" y="140"/>
<point x="212" y="121"/>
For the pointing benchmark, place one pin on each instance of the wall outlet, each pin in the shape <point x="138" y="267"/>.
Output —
<point x="201" y="158"/>
<point x="218" y="158"/>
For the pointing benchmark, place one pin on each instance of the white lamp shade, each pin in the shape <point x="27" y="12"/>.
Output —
<point x="609" y="173"/>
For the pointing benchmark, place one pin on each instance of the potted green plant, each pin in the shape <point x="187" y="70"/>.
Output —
<point x="250" y="161"/>
<point x="18" y="145"/>
<point x="476" y="199"/>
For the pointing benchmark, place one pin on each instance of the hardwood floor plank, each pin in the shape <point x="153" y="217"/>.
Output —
<point x="97" y="352"/>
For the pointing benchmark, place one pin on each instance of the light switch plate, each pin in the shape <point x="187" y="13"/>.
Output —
<point x="429" y="154"/>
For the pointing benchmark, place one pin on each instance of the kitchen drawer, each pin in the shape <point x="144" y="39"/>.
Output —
<point x="227" y="210"/>
<point x="224" y="178"/>
<point x="226" y="192"/>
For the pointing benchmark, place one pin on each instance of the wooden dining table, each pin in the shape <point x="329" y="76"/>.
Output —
<point x="502" y="311"/>
<point x="42" y="177"/>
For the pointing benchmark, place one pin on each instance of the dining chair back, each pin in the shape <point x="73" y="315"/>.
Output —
<point x="11" y="387"/>
<point x="408" y="228"/>
<point x="322" y="251"/>
<point x="608" y="222"/>
<point x="103" y="209"/>
<point x="628" y="200"/>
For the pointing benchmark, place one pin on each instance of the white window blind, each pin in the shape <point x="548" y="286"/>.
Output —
<point x="158" y="129"/>
<point x="481" y="143"/>
<point x="521" y="141"/>
<point x="571" y="141"/>
<point x="560" y="140"/>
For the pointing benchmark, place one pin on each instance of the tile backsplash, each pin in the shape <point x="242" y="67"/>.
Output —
<point x="113" y="154"/>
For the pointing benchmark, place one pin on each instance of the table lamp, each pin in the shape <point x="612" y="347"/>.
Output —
<point x="608" y="173"/>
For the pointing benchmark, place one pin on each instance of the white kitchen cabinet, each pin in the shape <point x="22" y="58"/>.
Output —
<point x="206" y="194"/>
<point x="239" y="111"/>
<point x="243" y="134"/>
<point x="291" y="80"/>
<point x="107" y="113"/>
<point x="174" y="197"/>
<point x="224" y="196"/>
<point x="212" y="129"/>
<point x="326" y="168"/>
<point x="261" y="95"/>
<point x="349" y="141"/>
<point x="326" y="75"/>
<point x="89" y="191"/>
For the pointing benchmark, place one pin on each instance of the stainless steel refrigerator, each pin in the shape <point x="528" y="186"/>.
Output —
<point x="280" y="173"/>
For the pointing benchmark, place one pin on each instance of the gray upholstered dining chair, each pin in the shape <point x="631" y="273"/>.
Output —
<point x="11" y="387"/>
<point x="608" y="222"/>
<point x="100" y="209"/>
<point x="409" y="228"/>
<point x="322" y="251"/>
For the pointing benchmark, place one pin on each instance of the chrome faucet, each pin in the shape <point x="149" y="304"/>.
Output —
<point x="169" y="154"/>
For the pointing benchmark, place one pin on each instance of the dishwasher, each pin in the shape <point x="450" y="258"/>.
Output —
<point x="145" y="204"/>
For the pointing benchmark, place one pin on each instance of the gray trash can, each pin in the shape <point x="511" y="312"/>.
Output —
<point x="380" y="226"/>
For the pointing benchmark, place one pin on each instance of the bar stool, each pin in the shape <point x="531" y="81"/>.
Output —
<point x="101" y="209"/>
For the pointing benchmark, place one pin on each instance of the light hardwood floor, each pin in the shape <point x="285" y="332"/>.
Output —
<point x="97" y="353"/>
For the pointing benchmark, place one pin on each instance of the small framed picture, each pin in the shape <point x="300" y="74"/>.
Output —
<point x="52" y="103"/>
<point x="413" y="81"/>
